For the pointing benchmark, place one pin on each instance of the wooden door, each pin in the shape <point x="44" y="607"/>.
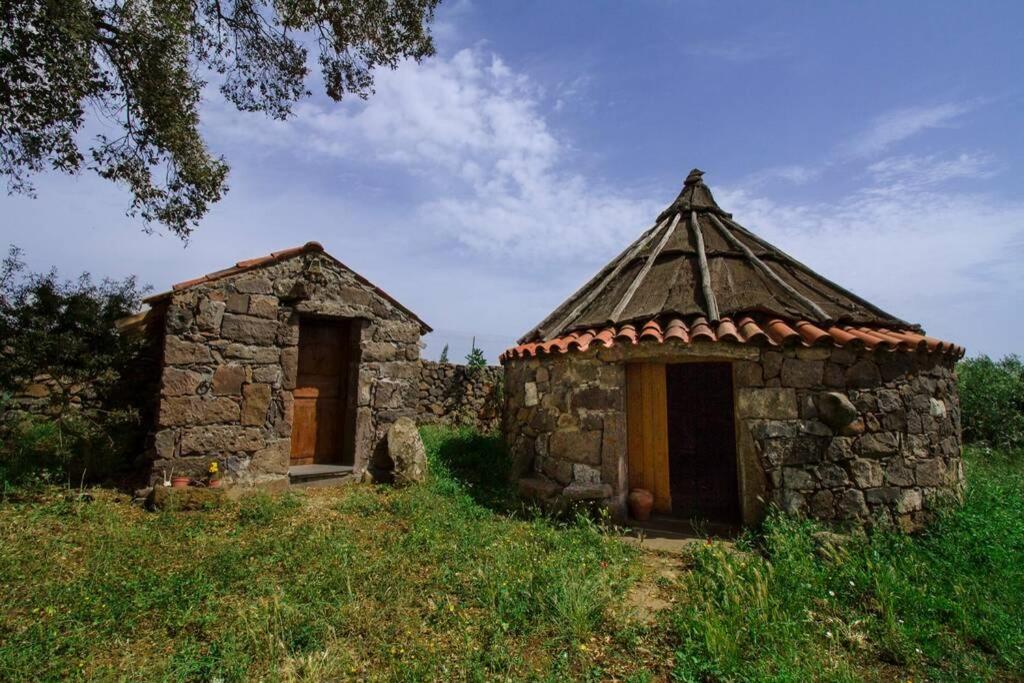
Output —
<point x="702" y="441"/>
<point x="647" y="432"/>
<point x="321" y="388"/>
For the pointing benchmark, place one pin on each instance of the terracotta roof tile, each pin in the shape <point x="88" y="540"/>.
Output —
<point x="773" y="332"/>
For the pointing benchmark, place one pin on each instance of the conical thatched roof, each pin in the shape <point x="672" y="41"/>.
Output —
<point x="698" y="272"/>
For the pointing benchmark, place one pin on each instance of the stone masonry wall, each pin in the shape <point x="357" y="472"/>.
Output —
<point x="455" y="395"/>
<point x="834" y="433"/>
<point x="230" y="364"/>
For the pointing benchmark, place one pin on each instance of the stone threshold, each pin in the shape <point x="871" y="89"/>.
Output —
<point x="315" y="476"/>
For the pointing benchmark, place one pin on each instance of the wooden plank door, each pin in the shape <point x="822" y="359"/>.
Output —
<point x="320" y="391"/>
<point x="702" y="441"/>
<point x="647" y="432"/>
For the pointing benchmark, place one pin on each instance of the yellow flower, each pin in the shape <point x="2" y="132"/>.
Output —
<point x="213" y="467"/>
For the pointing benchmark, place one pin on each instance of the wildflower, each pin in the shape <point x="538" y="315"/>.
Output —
<point x="828" y="634"/>
<point x="832" y="594"/>
<point x="212" y="469"/>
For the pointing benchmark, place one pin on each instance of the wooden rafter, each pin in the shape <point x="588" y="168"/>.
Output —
<point x="628" y="296"/>
<point x="705" y="273"/>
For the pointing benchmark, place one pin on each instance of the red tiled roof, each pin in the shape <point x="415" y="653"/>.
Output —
<point x="249" y="264"/>
<point x="744" y="330"/>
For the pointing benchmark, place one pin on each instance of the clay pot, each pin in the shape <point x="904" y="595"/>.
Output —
<point x="180" y="482"/>
<point x="215" y="483"/>
<point x="641" y="501"/>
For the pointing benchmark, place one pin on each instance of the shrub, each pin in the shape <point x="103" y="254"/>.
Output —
<point x="66" y="330"/>
<point x="992" y="400"/>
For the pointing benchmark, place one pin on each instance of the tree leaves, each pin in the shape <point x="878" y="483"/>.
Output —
<point x="139" y="66"/>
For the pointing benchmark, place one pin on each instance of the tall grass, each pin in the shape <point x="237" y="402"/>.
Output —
<point x="946" y="604"/>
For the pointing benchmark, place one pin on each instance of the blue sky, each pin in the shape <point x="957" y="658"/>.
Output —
<point x="881" y="143"/>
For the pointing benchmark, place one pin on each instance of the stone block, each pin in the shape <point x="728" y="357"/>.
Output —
<point x="576" y="446"/>
<point x="273" y="459"/>
<point x="211" y="313"/>
<point x="862" y="374"/>
<point x="263" y="306"/>
<point x="802" y="374"/>
<point x="554" y="468"/>
<point x="228" y="380"/>
<point x="866" y="473"/>
<point x="909" y="500"/>
<point x="254" y="284"/>
<point x="254" y="354"/>
<point x="878" y="445"/>
<point x="267" y="374"/>
<point x="248" y="329"/>
<point x="596" y="398"/>
<point x="238" y="303"/>
<point x="255" y="402"/>
<point x="771" y="363"/>
<point x="898" y="473"/>
<point x="177" y="351"/>
<point x="537" y="488"/>
<point x="931" y="473"/>
<point x="836" y="410"/>
<point x="832" y="476"/>
<point x="581" y="491"/>
<point x="748" y="373"/>
<point x="850" y="504"/>
<point x="767" y="403"/>
<point x="883" y="495"/>
<point x="529" y="394"/>
<point x="176" y="382"/>
<point x="799" y="479"/>
<point x="290" y="368"/>
<point x="196" y="410"/>
<point x="221" y="439"/>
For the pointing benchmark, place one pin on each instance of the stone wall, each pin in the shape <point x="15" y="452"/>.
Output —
<point x="455" y="395"/>
<point x="230" y="364"/>
<point x="834" y="433"/>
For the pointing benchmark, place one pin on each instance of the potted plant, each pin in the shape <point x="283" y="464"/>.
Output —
<point x="213" y="480"/>
<point x="180" y="482"/>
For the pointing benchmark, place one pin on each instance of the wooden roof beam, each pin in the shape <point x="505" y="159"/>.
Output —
<point x="768" y="272"/>
<point x="628" y="296"/>
<point x="705" y="272"/>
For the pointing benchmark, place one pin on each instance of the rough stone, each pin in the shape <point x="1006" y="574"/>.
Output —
<point x="177" y="382"/>
<point x="879" y="445"/>
<point x="254" y="285"/>
<point x="897" y="473"/>
<point x="263" y="306"/>
<point x="769" y="403"/>
<point x="866" y="473"/>
<point x="909" y="500"/>
<point x="177" y="351"/>
<point x="248" y="330"/>
<point x="537" y="488"/>
<point x="221" y="438"/>
<point x="836" y="410"/>
<point x="255" y="401"/>
<point x="863" y="373"/>
<point x="238" y="303"/>
<point x="850" y="504"/>
<point x="802" y="374"/>
<point x="582" y="491"/>
<point x="407" y="453"/>
<point x="931" y="473"/>
<point x="530" y="394"/>
<point x="576" y="446"/>
<point x="210" y="314"/>
<point x="228" y="380"/>
<point x="196" y="410"/>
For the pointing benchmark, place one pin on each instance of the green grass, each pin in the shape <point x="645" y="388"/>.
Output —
<point x="452" y="580"/>
<point x="947" y="604"/>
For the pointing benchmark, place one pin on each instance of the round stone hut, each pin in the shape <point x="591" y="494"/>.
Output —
<point x="721" y="375"/>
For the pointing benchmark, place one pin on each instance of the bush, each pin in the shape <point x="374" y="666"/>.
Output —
<point x="992" y="400"/>
<point x="66" y="330"/>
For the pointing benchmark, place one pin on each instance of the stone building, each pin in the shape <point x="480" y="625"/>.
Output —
<point x="720" y="374"/>
<point x="286" y="365"/>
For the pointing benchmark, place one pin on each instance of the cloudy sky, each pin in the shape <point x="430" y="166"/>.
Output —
<point x="880" y="143"/>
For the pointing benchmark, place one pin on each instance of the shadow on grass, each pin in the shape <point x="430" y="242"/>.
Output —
<point x="477" y="463"/>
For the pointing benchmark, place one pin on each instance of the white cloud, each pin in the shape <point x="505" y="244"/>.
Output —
<point x="948" y="261"/>
<point x="472" y="129"/>
<point x="750" y="47"/>
<point x="900" y="124"/>
<point x="916" y="171"/>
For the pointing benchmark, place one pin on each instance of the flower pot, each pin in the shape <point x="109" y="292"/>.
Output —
<point x="215" y="483"/>
<point x="641" y="501"/>
<point x="180" y="482"/>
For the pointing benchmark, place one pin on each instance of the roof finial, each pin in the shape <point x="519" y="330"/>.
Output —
<point x="694" y="177"/>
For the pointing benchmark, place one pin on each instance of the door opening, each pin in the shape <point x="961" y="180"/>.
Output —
<point x="702" y="442"/>
<point x="681" y="439"/>
<point x="323" y="423"/>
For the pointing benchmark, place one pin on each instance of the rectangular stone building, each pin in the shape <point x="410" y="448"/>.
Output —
<point x="289" y="364"/>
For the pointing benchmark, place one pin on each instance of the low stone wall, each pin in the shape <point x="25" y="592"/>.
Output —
<point x="455" y="395"/>
<point x="838" y="434"/>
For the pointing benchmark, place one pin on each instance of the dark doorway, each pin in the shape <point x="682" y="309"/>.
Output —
<point x="323" y="423"/>
<point x="702" y="442"/>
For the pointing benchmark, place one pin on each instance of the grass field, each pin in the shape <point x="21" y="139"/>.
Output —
<point x="449" y="580"/>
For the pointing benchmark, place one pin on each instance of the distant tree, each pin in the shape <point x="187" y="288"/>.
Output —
<point x="141" y="65"/>
<point x="475" y="359"/>
<point x="992" y="400"/>
<point x="444" y="355"/>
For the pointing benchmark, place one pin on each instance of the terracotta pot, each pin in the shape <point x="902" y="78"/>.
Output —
<point x="641" y="501"/>
<point x="180" y="482"/>
<point x="215" y="483"/>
